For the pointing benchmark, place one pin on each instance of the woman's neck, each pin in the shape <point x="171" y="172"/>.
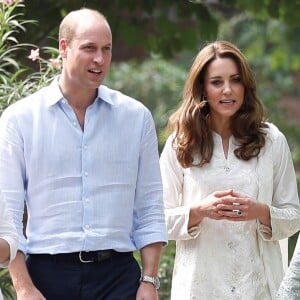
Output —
<point x="222" y="127"/>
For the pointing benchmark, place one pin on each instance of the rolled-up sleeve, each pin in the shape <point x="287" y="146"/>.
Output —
<point x="149" y="222"/>
<point x="12" y="175"/>
<point x="7" y="231"/>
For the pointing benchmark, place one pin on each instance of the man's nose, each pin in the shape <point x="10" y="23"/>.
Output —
<point x="99" y="57"/>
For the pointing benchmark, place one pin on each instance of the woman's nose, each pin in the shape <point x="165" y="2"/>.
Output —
<point x="227" y="89"/>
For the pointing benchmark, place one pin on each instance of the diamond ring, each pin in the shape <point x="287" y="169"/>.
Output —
<point x="237" y="211"/>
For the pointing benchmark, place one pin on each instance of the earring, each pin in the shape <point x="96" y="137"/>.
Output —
<point x="204" y="98"/>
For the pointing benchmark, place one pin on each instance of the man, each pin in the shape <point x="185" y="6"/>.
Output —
<point x="85" y="160"/>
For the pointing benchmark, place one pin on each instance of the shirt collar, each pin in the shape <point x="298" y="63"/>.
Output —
<point x="54" y="94"/>
<point x="107" y="95"/>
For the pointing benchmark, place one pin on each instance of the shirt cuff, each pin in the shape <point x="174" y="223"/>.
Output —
<point x="265" y="232"/>
<point x="194" y="231"/>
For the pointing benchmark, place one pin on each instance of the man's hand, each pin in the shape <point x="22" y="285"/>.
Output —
<point x="146" y="291"/>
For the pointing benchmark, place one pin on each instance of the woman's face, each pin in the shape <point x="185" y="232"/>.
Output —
<point x="223" y="88"/>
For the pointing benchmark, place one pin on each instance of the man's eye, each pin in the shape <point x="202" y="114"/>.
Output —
<point x="89" y="47"/>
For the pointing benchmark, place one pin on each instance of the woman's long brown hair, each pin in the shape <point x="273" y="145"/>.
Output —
<point x="193" y="136"/>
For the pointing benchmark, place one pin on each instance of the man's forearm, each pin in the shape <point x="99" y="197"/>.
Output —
<point x="150" y="256"/>
<point x="19" y="273"/>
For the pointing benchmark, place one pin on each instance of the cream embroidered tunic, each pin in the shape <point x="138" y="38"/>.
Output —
<point x="223" y="259"/>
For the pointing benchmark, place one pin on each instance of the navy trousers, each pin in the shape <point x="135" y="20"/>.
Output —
<point x="112" y="279"/>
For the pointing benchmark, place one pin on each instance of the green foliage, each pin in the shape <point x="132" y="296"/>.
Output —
<point x="155" y="82"/>
<point x="17" y="80"/>
<point x="10" y="26"/>
<point x="284" y="10"/>
<point x="25" y="81"/>
<point x="6" y="285"/>
<point x="166" y="270"/>
<point x="164" y="27"/>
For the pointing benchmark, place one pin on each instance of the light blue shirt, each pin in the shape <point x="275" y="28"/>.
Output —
<point x="85" y="190"/>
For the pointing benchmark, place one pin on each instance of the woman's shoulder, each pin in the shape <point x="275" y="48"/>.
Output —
<point x="273" y="132"/>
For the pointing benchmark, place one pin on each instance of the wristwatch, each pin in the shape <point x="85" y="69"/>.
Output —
<point x="154" y="280"/>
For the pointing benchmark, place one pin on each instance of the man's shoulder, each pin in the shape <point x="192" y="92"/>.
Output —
<point x="119" y="99"/>
<point x="26" y="104"/>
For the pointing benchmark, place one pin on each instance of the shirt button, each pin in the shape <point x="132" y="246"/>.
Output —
<point x="226" y="169"/>
<point x="87" y="199"/>
<point x="74" y="123"/>
<point x="86" y="173"/>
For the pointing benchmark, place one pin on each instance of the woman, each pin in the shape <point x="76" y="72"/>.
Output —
<point x="290" y="286"/>
<point x="230" y="189"/>
<point x="8" y="237"/>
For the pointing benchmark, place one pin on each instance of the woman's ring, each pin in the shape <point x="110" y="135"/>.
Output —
<point x="237" y="211"/>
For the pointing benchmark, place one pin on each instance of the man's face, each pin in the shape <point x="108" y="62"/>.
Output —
<point x="87" y="57"/>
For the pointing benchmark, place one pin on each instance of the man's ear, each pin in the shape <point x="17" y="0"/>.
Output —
<point x="63" y="48"/>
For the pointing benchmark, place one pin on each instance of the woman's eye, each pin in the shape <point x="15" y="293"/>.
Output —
<point x="216" y="82"/>
<point x="236" y="79"/>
